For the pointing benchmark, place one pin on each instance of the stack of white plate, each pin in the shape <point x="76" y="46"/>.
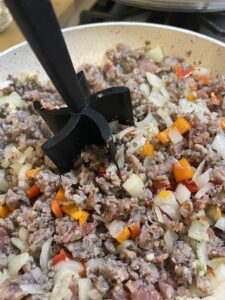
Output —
<point x="178" y="5"/>
<point x="5" y="17"/>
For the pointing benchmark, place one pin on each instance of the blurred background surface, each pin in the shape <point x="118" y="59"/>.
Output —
<point x="204" y="16"/>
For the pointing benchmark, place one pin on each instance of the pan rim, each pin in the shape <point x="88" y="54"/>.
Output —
<point x="127" y="24"/>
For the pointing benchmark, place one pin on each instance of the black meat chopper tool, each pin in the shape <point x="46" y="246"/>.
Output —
<point x="85" y="119"/>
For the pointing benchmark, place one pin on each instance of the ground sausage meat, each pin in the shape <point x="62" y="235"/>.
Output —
<point x="142" y="228"/>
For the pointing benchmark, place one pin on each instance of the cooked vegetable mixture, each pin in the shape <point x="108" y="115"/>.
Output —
<point x="154" y="228"/>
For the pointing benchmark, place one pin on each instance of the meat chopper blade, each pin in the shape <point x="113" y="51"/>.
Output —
<point x="84" y="120"/>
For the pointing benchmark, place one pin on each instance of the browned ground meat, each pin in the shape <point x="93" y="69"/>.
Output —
<point x="147" y="265"/>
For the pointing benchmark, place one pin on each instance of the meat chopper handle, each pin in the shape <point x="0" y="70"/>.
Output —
<point x="38" y="22"/>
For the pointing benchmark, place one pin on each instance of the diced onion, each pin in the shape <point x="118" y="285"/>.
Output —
<point x="200" y="72"/>
<point x="148" y="161"/>
<point x="175" y="135"/>
<point x="122" y="133"/>
<point x="74" y="266"/>
<point x="66" y="271"/>
<point x="23" y="234"/>
<point x="61" y="290"/>
<point x="17" y="262"/>
<point x="149" y="119"/>
<point x="13" y="100"/>
<point x="4" y="185"/>
<point x="22" y="178"/>
<point x="157" y="99"/>
<point x="37" y="274"/>
<point x="134" y="185"/>
<point x="182" y="193"/>
<point x="170" y="200"/>
<point x="164" y="92"/>
<point x="199" y="170"/>
<point x="219" y="144"/>
<point x="84" y="287"/>
<point x="154" y="80"/>
<point x="135" y="144"/>
<point x="155" y="54"/>
<point x="94" y="294"/>
<point x="221" y="223"/>
<point x="170" y="238"/>
<point x="216" y="262"/>
<point x="203" y="190"/>
<point x="31" y="289"/>
<point x="169" y="210"/>
<point x="201" y="252"/>
<point x="158" y="214"/>
<point x="202" y="179"/>
<point x="198" y="106"/>
<point x="218" y="276"/>
<point x="145" y="88"/>
<point x="8" y="151"/>
<point x="3" y="276"/>
<point x="199" y="230"/>
<point x="150" y="256"/>
<point x="45" y="253"/>
<point x="154" y="272"/>
<point x="115" y="228"/>
<point x="165" y="116"/>
<point x="22" y="245"/>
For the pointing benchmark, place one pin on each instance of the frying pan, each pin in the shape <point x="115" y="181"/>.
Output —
<point x="87" y="44"/>
<point x="178" y="5"/>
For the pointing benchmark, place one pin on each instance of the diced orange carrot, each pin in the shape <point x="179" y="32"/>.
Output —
<point x="34" y="191"/>
<point x="191" y="97"/>
<point x="163" y="136"/>
<point x="60" y="195"/>
<point x="124" y="235"/>
<point x="56" y="208"/>
<point x="82" y="216"/>
<point x="70" y="210"/>
<point x="182" y="170"/>
<point x="3" y="211"/>
<point x="134" y="230"/>
<point x="148" y="150"/>
<point x="184" y="162"/>
<point x="222" y="123"/>
<point x="203" y="79"/>
<point x="182" y="125"/>
<point x="33" y="172"/>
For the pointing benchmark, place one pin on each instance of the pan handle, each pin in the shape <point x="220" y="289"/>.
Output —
<point x="38" y="22"/>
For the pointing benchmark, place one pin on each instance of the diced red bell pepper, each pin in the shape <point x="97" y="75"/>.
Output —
<point x="191" y="185"/>
<point x="183" y="73"/>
